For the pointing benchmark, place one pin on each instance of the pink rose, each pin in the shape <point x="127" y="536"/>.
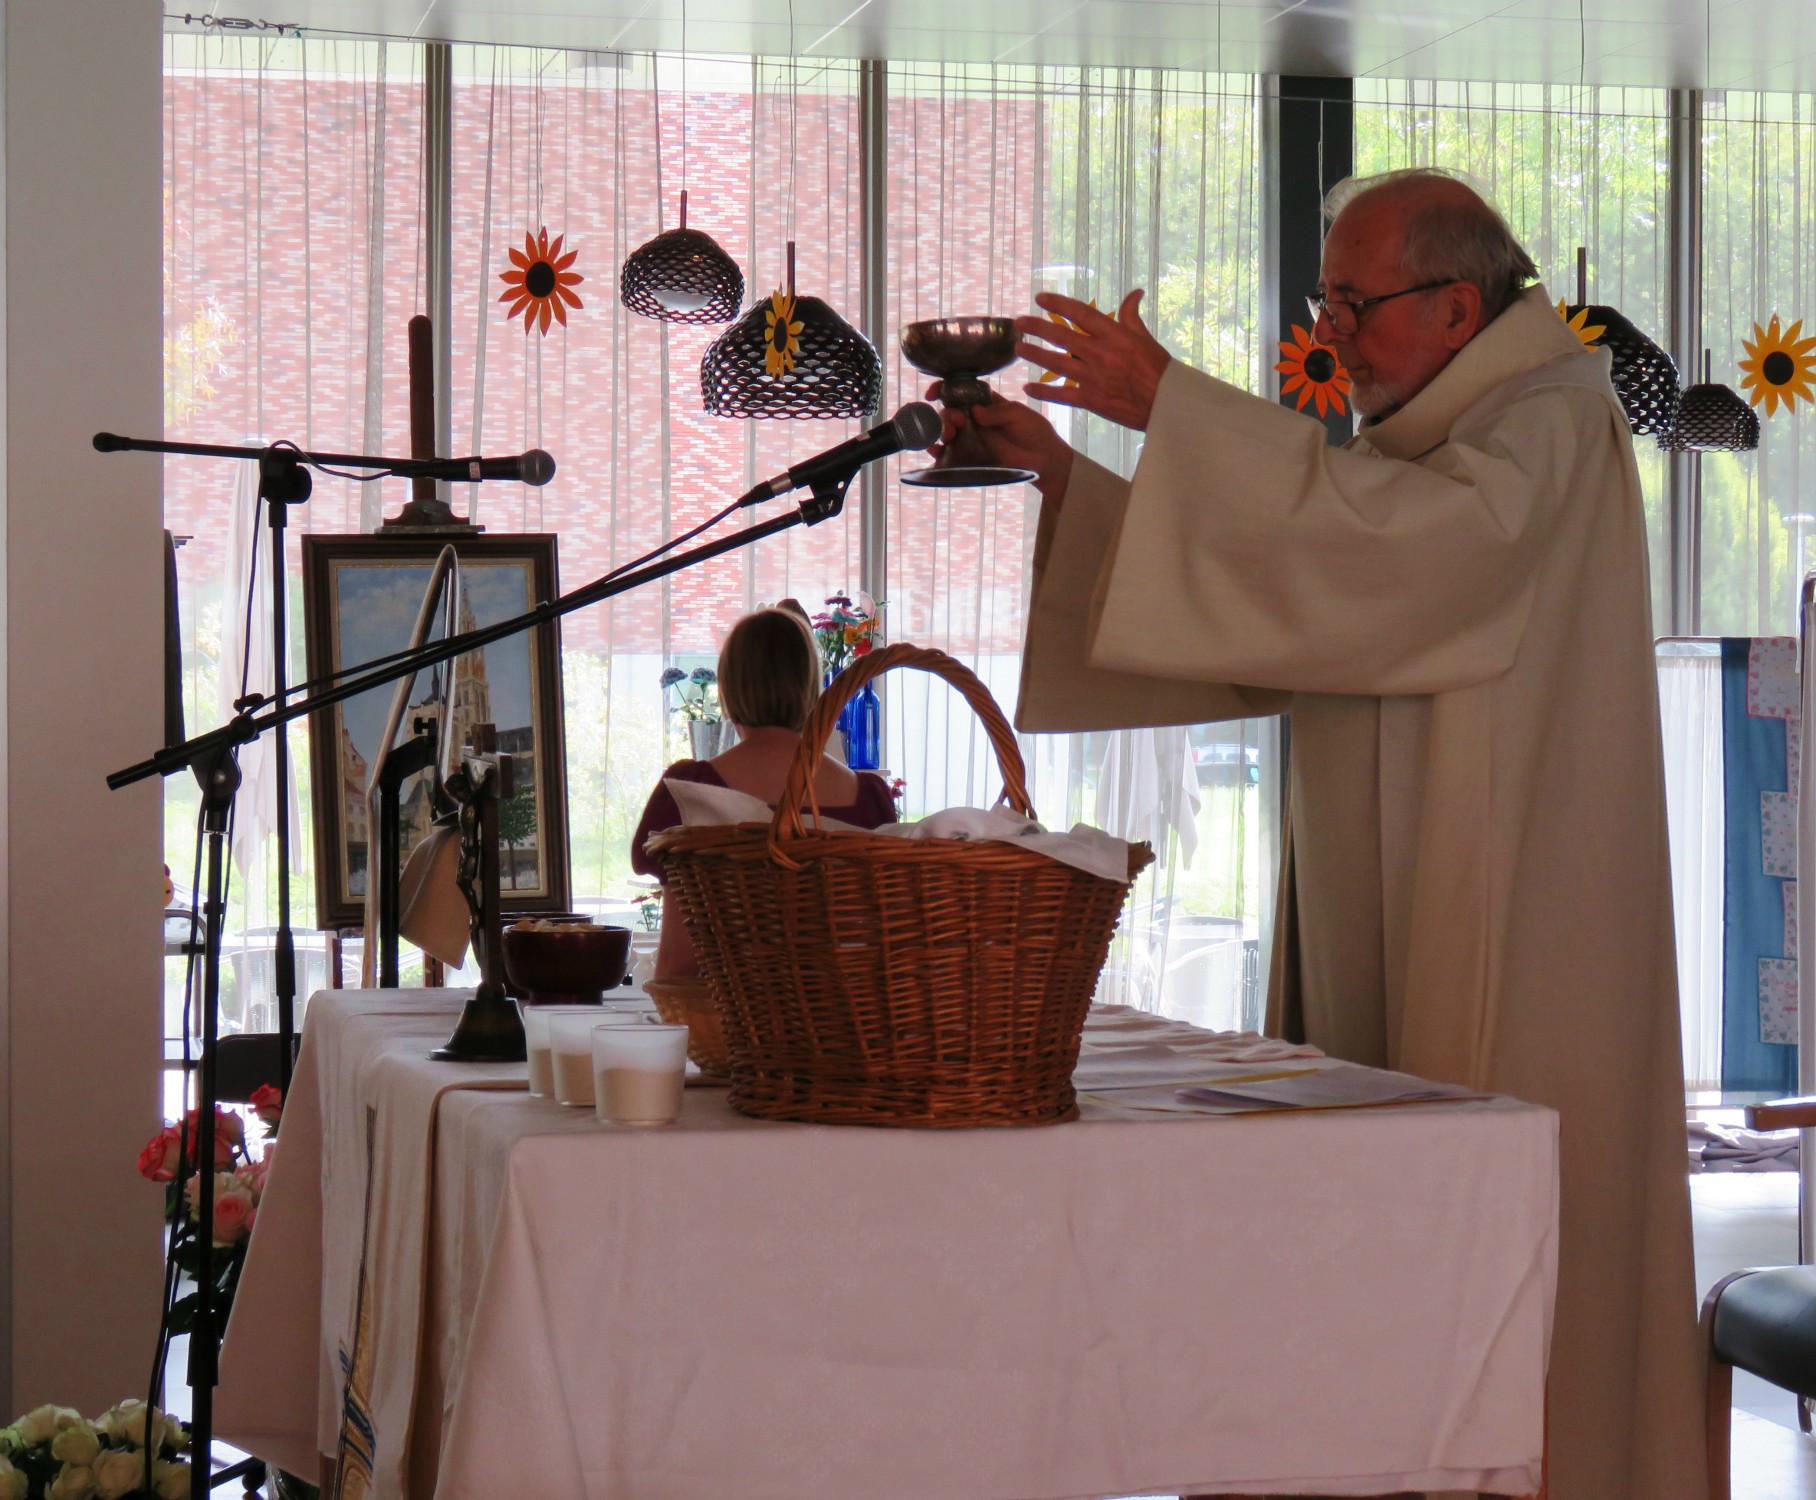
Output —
<point x="268" y="1103"/>
<point x="158" y="1160"/>
<point x="233" y="1211"/>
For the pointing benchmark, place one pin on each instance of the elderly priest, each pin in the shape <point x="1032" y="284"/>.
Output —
<point x="1453" y="609"/>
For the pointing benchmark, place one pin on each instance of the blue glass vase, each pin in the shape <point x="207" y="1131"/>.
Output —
<point x="864" y="735"/>
<point x="843" y="723"/>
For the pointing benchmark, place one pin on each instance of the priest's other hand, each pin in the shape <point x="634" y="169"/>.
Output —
<point x="1017" y="437"/>
<point x="1113" y="365"/>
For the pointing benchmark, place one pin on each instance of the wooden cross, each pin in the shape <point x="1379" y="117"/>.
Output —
<point x="426" y="508"/>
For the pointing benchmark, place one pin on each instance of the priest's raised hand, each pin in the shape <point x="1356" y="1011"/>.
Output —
<point x="1112" y="365"/>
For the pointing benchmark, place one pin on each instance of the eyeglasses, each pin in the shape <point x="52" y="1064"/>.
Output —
<point x="1346" y="316"/>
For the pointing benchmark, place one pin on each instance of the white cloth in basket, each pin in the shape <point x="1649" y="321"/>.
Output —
<point x="1084" y="848"/>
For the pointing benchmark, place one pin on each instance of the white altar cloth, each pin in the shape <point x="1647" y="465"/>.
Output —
<point x="1351" y="1302"/>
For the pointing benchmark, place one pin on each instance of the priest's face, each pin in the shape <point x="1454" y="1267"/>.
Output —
<point x="1395" y="346"/>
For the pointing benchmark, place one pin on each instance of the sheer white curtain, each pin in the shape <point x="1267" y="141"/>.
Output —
<point x="1003" y="182"/>
<point x="1759" y="257"/>
<point x="597" y="148"/>
<point x="1690" y="711"/>
<point x="1569" y="167"/>
<point x="292" y="262"/>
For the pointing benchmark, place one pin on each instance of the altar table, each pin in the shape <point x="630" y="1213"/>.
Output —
<point x="1345" y="1302"/>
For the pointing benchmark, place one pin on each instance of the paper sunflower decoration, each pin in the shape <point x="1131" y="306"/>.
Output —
<point x="781" y="333"/>
<point x="1314" y="371"/>
<point x="1779" y="366"/>
<point x="1580" y="325"/>
<point x="537" y="285"/>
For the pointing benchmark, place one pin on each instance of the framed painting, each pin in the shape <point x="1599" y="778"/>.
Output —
<point x="360" y="599"/>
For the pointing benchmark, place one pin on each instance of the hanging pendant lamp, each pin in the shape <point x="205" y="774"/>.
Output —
<point x="791" y="356"/>
<point x="682" y="276"/>
<point x="1645" y="377"/>
<point x="1712" y="419"/>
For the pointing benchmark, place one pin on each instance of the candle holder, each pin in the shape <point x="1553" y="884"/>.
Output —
<point x="960" y="352"/>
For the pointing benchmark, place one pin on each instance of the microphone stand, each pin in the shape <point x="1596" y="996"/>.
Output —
<point x="283" y="482"/>
<point x="212" y="758"/>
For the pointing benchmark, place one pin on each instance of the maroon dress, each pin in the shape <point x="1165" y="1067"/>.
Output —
<point x="874" y="807"/>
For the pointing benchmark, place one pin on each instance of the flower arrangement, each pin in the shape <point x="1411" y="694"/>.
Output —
<point x="54" y="1453"/>
<point x="649" y="908"/>
<point x="238" y="1185"/>
<point x="699" y="695"/>
<point x="847" y="629"/>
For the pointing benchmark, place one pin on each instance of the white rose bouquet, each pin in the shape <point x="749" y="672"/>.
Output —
<point x="129" y="1453"/>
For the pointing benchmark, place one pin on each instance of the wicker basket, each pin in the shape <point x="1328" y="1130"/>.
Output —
<point x="690" y="1003"/>
<point x="867" y="980"/>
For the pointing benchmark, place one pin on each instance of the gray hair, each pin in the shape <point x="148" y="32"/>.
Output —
<point x="1453" y="233"/>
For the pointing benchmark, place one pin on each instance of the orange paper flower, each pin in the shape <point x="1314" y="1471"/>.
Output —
<point x="538" y="281"/>
<point x="1314" y="371"/>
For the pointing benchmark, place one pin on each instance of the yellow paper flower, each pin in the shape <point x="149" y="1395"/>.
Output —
<point x="1049" y="375"/>
<point x="781" y="333"/>
<point x="1779" y="366"/>
<point x="1314" y="371"/>
<point x="538" y="281"/>
<point x="1580" y="325"/>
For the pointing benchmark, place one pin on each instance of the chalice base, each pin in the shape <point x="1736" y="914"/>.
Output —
<point x="962" y="476"/>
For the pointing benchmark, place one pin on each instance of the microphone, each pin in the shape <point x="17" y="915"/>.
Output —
<point x="534" y="467"/>
<point x="916" y="425"/>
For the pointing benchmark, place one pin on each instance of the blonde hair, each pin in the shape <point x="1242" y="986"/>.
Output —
<point x="769" y="670"/>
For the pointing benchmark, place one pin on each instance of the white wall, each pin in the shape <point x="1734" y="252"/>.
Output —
<point x="79" y="696"/>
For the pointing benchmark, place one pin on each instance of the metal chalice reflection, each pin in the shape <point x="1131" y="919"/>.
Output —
<point x="960" y="352"/>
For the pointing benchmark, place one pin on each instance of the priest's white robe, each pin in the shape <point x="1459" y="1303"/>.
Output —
<point x="1454" y="609"/>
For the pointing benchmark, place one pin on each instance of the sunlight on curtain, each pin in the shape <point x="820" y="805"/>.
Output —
<point x="1690" y="711"/>
<point x="1568" y="167"/>
<point x="1759" y="155"/>
<point x="292" y="261"/>
<point x="1003" y="182"/>
<point x="598" y="147"/>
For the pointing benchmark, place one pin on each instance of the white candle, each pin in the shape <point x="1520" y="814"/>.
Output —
<point x="639" y="1073"/>
<point x="571" y="1048"/>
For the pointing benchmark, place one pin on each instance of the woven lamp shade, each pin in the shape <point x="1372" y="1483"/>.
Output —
<point x="1644" y="376"/>
<point x="836" y="370"/>
<point x="682" y="276"/>
<point x="1713" y="418"/>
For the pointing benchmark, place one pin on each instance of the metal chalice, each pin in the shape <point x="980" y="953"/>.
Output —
<point x="960" y="352"/>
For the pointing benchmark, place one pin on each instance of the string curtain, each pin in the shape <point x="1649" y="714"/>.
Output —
<point x="1568" y="166"/>
<point x="597" y="147"/>
<point x="1005" y="181"/>
<point x="293" y="234"/>
<point x="1758" y="520"/>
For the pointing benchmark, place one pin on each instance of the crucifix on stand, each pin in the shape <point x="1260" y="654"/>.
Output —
<point x="427" y="510"/>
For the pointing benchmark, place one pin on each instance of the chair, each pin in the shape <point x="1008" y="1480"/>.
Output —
<point x="246" y="1062"/>
<point x="1762" y="1321"/>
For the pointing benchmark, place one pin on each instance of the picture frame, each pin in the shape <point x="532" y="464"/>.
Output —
<point x="360" y="599"/>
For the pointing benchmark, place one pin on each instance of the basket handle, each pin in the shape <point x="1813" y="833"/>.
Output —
<point x="798" y="790"/>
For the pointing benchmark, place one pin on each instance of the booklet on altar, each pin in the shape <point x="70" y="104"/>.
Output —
<point x="1342" y="1087"/>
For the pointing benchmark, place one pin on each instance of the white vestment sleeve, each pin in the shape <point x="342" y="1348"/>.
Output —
<point x="1060" y="688"/>
<point x="1248" y="550"/>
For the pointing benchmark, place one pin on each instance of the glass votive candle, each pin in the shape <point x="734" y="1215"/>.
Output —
<point x="571" y="1048"/>
<point x="639" y="1073"/>
<point x="536" y="1044"/>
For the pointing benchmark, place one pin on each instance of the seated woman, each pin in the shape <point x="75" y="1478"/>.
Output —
<point x="769" y="677"/>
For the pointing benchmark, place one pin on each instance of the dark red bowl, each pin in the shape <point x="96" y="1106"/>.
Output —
<point x="568" y="965"/>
